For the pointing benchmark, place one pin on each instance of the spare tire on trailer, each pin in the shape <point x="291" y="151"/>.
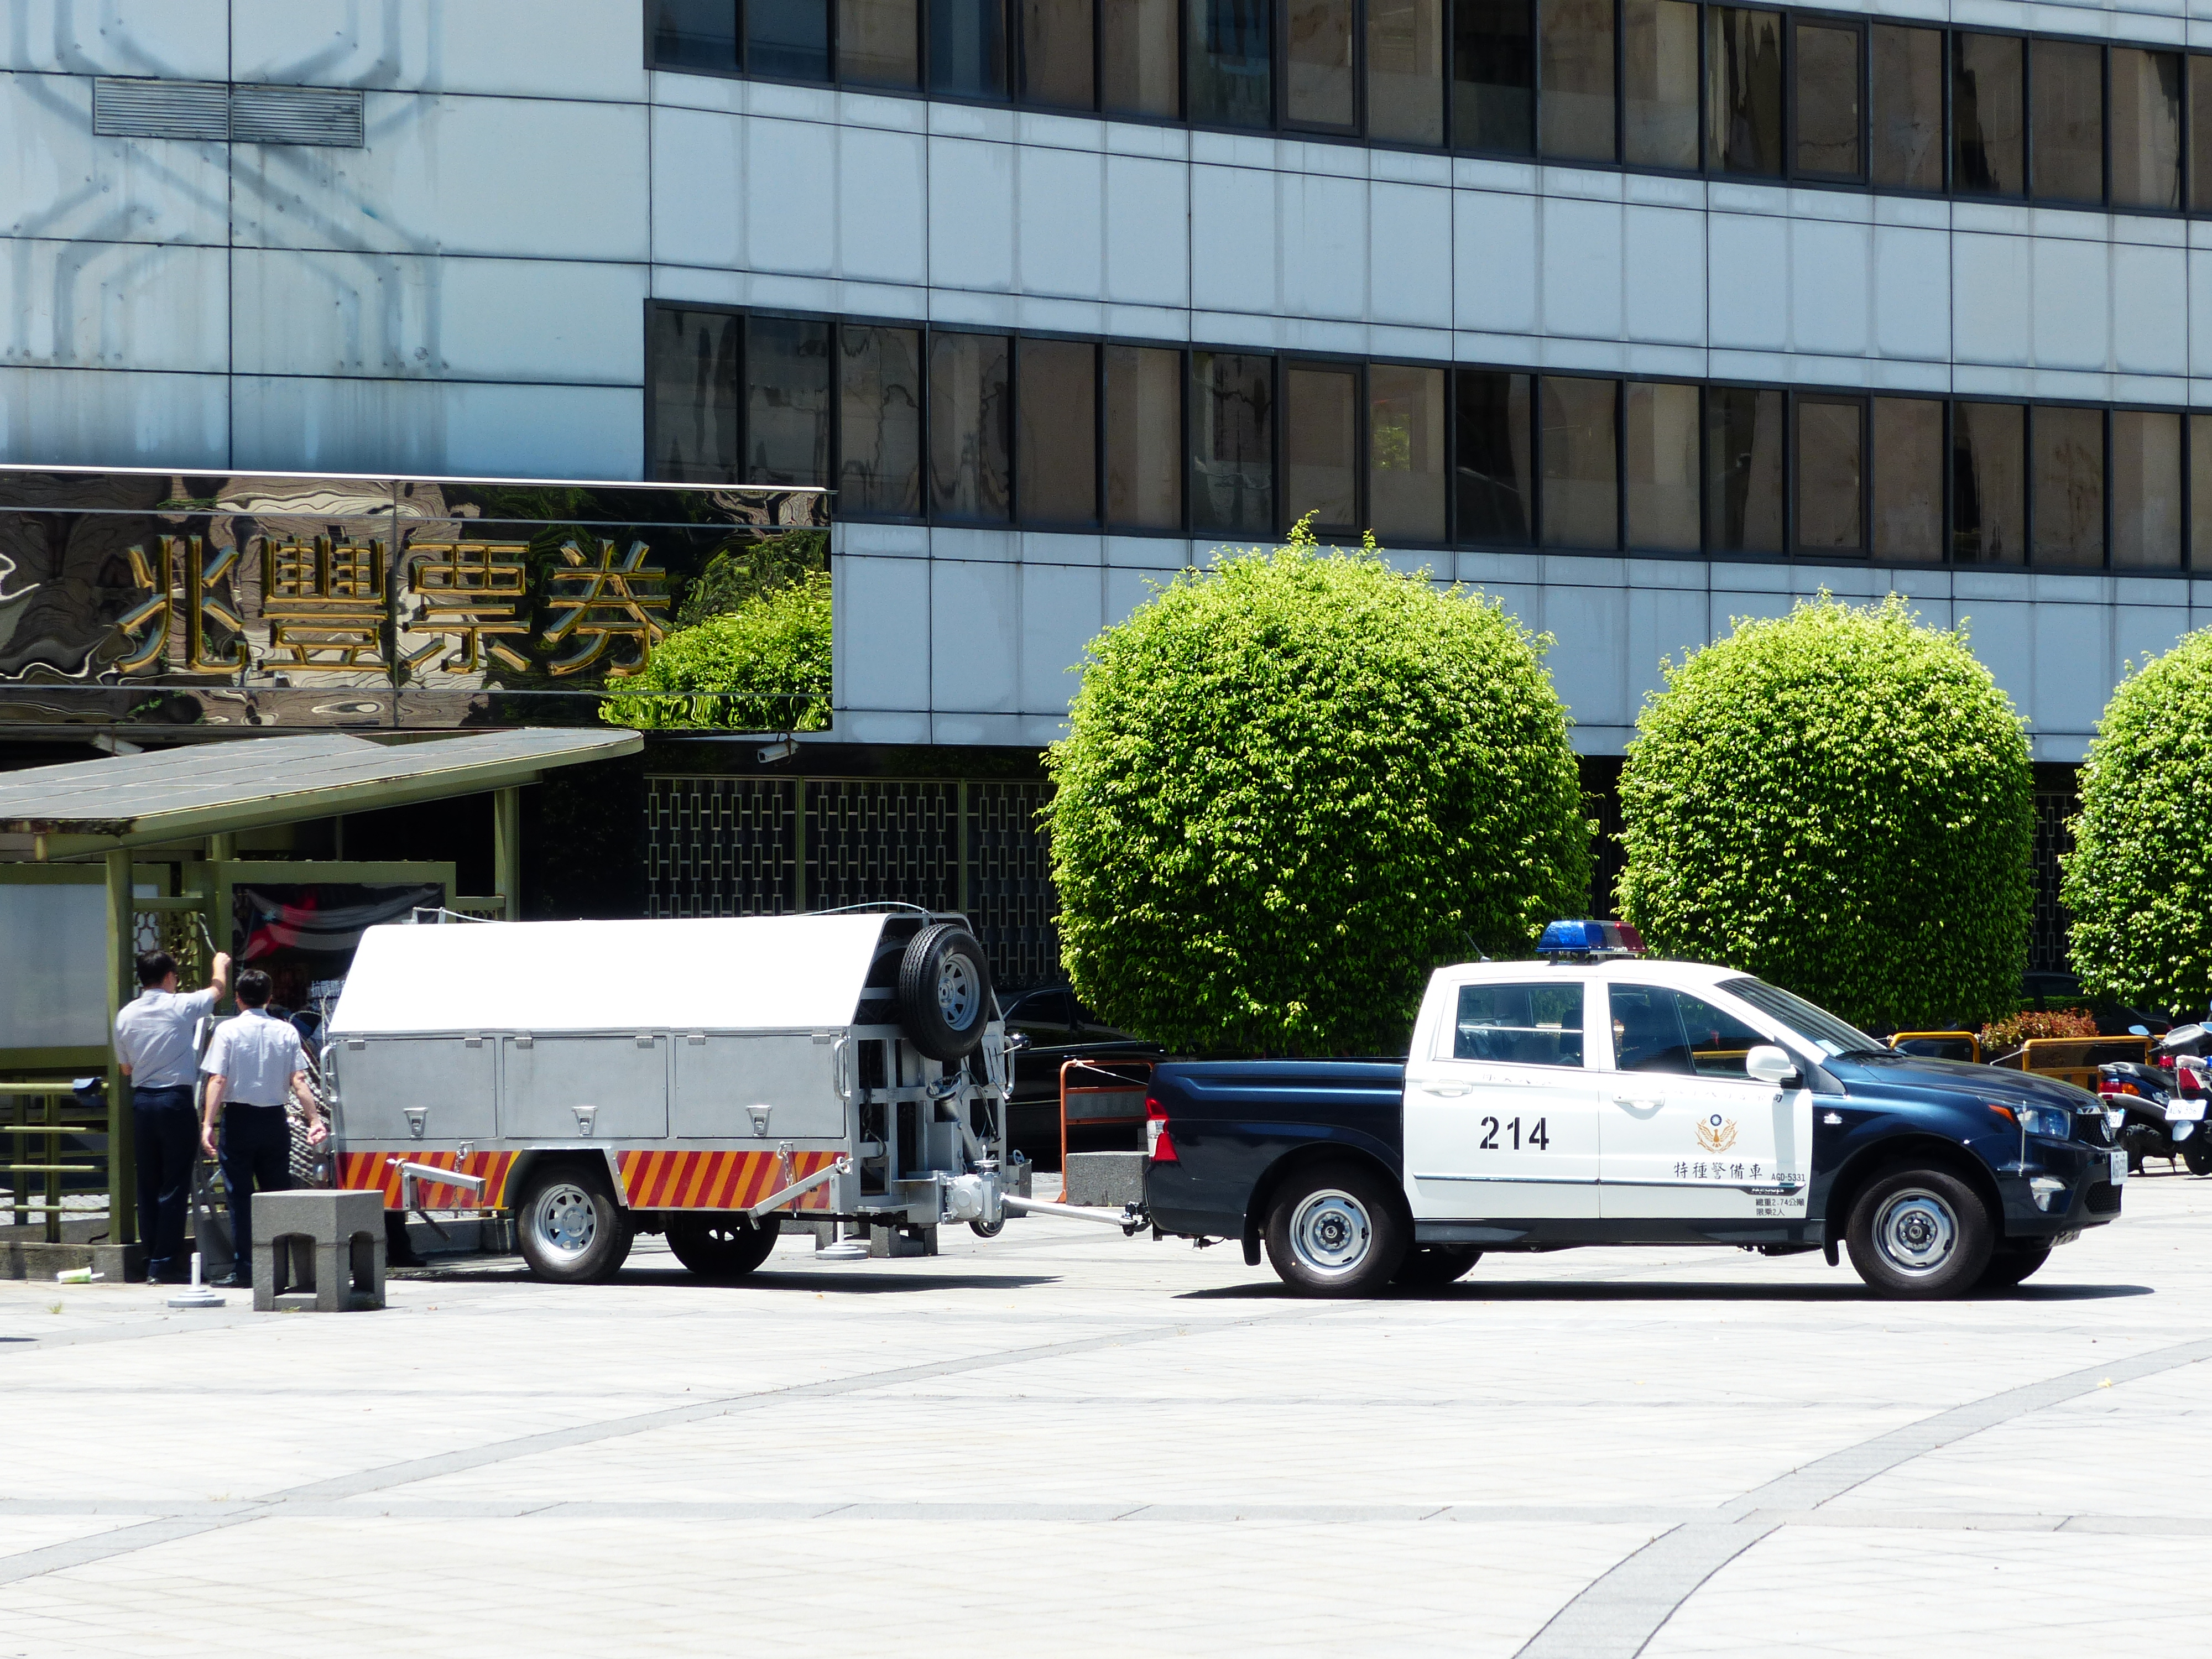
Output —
<point x="945" y="992"/>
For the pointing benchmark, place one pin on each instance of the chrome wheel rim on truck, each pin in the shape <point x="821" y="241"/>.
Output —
<point x="958" y="996"/>
<point x="564" y="1220"/>
<point x="1331" y="1232"/>
<point x="1916" y="1232"/>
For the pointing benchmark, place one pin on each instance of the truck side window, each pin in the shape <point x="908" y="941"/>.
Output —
<point x="1520" y="1025"/>
<point x="1656" y="1030"/>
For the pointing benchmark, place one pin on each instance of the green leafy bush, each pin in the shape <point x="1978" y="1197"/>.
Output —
<point x="1838" y="800"/>
<point x="2139" y="880"/>
<point x="763" y="667"/>
<point x="1293" y="784"/>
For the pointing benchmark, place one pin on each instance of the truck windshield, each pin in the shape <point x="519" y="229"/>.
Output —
<point x="1816" y="1026"/>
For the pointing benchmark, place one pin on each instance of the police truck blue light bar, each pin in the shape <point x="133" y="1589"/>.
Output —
<point x="1585" y="941"/>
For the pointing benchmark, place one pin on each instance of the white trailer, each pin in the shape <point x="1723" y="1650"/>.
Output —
<point x="704" y="1079"/>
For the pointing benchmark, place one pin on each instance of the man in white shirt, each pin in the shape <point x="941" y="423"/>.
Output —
<point x="254" y="1061"/>
<point x="154" y="1044"/>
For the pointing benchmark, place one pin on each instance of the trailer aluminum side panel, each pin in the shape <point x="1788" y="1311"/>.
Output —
<point x="721" y="1082"/>
<point x="448" y="1080"/>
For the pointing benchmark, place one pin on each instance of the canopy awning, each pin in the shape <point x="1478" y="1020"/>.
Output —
<point x="222" y="788"/>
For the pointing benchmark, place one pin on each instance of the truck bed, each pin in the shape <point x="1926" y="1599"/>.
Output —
<point x="1234" y="1123"/>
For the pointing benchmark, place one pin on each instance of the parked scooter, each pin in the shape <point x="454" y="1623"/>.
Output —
<point x="2158" y="1109"/>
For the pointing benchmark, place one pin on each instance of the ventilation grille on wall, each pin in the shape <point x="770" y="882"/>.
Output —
<point x="211" y="110"/>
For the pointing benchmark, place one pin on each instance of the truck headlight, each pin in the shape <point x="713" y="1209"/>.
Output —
<point x="2043" y="1121"/>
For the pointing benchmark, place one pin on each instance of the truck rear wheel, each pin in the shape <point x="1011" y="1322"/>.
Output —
<point x="944" y="991"/>
<point x="1431" y="1266"/>
<point x="570" y="1228"/>
<point x="1920" y="1235"/>
<point x="1335" y="1230"/>
<point x="722" y="1248"/>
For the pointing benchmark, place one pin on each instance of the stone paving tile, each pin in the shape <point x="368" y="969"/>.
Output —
<point x="1063" y="1437"/>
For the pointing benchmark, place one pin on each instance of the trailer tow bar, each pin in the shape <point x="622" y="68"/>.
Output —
<point x="1131" y="1218"/>
<point x="799" y="1188"/>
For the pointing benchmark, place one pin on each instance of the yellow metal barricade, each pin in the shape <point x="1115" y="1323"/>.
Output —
<point x="2073" y="1060"/>
<point x="36" y="1117"/>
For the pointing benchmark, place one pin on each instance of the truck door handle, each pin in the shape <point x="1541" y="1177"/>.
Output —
<point x="1445" y="1088"/>
<point x="1625" y="1100"/>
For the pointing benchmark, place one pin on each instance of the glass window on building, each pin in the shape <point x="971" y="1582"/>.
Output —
<point x="1232" y="443"/>
<point x="1493" y="470"/>
<point x="1989" y="125"/>
<point x="1659" y="83"/>
<point x="970" y="473"/>
<point x="2066" y="477"/>
<point x="2066" y="105"/>
<point x="2146" y="491"/>
<point x="1829" y="101"/>
<point x="695" y="375"/>
<point x="787" y="401"/>
<point x="968" y="48"/>
<point x="1908" y="478"/>
<point x="878" y="420"/>
<point x="1058" y="437"/>
<point x="1144" y="438"/>
<point x="1831" y="474"/>
<point x="1989" y="483"/>
<point x="1406" y="70"/>
<point x="2146" y="115"/>
<point x="1907" y="107"/>
<point x="2200" y="133"/>
<point x="1231" y="63"/>
<point x="1744" y="465"/>
<point x="1743" y="90"/>
<point x="1575" y="56"/>
<point x="1318" y="83"/>
<point x="1320" y="446"/>
<point x="1057" y="54"/>
<point x="1140" y="64"/>
<point x="1663" y="473"/>
<point x="2200" y="491"/>
<point x="1493" y="104"/>
<point x="695" y="34"/>
<point x="880" y="43"/>
<point x="787" y="39"/>
<point x="1581" y="479"/>
<point x="1406" y="452"/>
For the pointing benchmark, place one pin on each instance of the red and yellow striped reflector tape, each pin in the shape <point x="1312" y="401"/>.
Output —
<point x="372" y="1172"/>
<point x="718" y="1181"/>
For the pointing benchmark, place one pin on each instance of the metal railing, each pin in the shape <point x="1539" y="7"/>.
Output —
<point x="1097" y="1094"/>
<point x="34" y="1147"/>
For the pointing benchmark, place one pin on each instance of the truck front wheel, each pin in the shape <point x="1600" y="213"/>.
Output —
<point x="1920" y="1234"/>
<point x="1336" y="1231"/>
<point x="570" y="1228"/>
<point x="722" y="1248"/>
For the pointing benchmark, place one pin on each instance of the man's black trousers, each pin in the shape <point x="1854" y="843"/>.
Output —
<point x="168" y="1144"/>
<point x="257" y="1152"/>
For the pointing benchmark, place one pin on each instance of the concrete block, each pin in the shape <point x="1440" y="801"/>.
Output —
<point x="901" y="1241"/>
<point x="1104" y="1180"/>
<point x="35" y="1258"/>
<point x="319" y="1251"/>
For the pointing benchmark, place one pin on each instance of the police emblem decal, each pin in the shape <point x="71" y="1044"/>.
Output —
<point x="1717" y="1134"/>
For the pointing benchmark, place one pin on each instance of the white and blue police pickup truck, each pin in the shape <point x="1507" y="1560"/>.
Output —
<point x="1598" y="1096"/>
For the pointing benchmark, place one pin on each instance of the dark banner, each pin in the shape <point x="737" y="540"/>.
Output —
<point x="152" y="598"/>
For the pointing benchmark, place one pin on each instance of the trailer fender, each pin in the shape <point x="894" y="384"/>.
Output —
<point x="518" y="1176"/>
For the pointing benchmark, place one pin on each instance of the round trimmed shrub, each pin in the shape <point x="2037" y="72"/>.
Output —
<point x="1294" y="783"/>
<point x="763" y="666"/>
<point x="2139" y="880"/>
<point x="1838" y="800"/>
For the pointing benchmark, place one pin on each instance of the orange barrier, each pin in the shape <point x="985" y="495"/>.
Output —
<point x="1102" y="1092"/>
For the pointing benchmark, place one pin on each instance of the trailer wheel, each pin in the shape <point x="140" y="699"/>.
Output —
<point x="570" y="1228"/>
<point x="722" y="1248"/>
<point x="1335" y="1230"/>
<point x="945" y="992"/>
<point x="1431" y="1266"/>
<point x="1920" y="1234"/>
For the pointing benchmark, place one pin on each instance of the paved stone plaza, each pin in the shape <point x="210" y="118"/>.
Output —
<point x="1063" y="1442"/>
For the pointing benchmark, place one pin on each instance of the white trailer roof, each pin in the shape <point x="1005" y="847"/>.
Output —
<point x="722" y="974"/>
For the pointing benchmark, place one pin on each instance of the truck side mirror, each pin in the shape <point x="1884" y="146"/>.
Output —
<point x="1765" y="1063"/>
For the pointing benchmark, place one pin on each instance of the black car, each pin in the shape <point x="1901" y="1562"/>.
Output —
<point x="1059" y="1029"/>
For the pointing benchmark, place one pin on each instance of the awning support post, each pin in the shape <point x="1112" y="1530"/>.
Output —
<point x="507" y="849"/>
<point x="122" y="958"/>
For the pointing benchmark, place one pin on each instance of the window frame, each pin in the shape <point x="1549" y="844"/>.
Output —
<point x="1863" y="56"/>
<point x="1793" y="482"/>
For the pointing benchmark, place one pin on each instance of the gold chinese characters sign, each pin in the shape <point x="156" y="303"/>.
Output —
<point x="113" y="579"/>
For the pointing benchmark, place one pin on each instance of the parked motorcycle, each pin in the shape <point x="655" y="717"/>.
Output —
<point x="2158" y="1110"/>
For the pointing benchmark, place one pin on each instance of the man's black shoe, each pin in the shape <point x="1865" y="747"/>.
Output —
<point x="410" y="1259"/>
<point x="234" y="1282"/>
